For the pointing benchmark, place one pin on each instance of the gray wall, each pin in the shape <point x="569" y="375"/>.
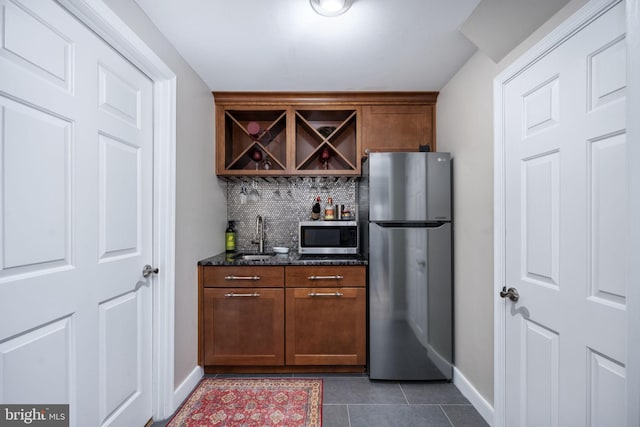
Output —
<point x="201" y="198"/>
<point x="465" y="128"/>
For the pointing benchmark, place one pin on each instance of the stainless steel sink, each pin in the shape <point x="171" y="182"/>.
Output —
<point x="254" y="257"/>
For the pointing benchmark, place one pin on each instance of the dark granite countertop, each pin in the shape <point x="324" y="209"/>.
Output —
<point x="292" y="258"/>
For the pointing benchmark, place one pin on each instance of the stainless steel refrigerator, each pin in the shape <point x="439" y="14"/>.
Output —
<point x="405" y="216"/>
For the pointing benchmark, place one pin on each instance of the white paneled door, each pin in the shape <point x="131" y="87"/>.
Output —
<point x="76" y="219"/>
<point x="566" y="227"/>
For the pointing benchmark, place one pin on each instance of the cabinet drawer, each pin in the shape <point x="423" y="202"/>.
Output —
<point x="251" y="277"/>
<point x="325" y="276"/>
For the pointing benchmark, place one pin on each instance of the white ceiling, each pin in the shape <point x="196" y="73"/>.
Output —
<point x="497" y="26"/>
<point x="378" y="45"/>
<point x="283" y="45"/>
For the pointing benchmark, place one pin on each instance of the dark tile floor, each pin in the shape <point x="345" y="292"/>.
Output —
<point x="354" y="400"/>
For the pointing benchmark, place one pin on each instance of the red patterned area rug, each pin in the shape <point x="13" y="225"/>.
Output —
<point x="252" y="402"/>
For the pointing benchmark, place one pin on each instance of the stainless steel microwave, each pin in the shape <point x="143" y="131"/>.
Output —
<point x="328" y="237"/>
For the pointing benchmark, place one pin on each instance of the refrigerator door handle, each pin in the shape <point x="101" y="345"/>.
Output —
<point x="392" y="224"/>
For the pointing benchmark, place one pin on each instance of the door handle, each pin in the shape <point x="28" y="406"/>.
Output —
<point x="147" y="270"/>
<point x="511" y="293"/>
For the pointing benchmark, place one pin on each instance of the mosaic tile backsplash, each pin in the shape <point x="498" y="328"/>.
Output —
<point x="282" y="203"/>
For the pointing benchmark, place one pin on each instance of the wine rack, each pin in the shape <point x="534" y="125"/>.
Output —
<point x="255" y="141"/>
<point x="326" y="142"/>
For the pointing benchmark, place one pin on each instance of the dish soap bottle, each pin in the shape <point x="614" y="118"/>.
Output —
<point x="230" y="238"/>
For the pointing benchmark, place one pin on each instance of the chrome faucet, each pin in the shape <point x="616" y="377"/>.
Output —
<point x="259" y="240"/>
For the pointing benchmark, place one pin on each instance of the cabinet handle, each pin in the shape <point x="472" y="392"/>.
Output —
<point x="325" y="294"/>
<point x="326" y="277"/>
<point x="233" y="294"/>
<point x="241" y="277"/>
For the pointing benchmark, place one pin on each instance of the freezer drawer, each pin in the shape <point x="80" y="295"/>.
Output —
<point x="410" y="303"/>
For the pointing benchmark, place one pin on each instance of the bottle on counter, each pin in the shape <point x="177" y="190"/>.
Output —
<point x="230" y="238"/>
<point x="315" y="210"/>
<point x="329" y="211"/>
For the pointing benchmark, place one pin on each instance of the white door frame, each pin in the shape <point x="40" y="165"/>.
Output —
<point x="565" y="30"/>
<point x="96" y="15"/>
<point x="633" y="166"/>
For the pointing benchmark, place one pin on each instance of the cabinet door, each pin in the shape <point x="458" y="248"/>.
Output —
<point x="243" y="326"/>
<point x="397" y="127"/>
<point x="326" y="326"/>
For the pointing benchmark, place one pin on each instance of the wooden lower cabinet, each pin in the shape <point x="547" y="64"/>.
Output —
<point x="243" y="326"/>
<point x="325" y="326"/>
<point x="275" y="319"/>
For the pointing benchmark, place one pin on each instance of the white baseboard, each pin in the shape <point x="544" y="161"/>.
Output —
<point x="441" y="363"/>
<point x="469" y="391"/>
<point x="186" y="387"/>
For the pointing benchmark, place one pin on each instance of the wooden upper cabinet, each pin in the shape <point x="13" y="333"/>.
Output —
<point x="316" y="133"/>
<point x="398" y="127"/>
<point x="400" y="122"/>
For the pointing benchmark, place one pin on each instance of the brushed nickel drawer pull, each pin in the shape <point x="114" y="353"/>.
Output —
<point x="325" y="294"/>
<point x="241" y="277"/>
<point x="336" y="277"/>
<point x="233" y="294"/>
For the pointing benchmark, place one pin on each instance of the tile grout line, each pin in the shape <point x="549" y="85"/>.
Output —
<point x="445" y="414"/>
<point x="403" y="393"/>
<point x="384" y="404"/>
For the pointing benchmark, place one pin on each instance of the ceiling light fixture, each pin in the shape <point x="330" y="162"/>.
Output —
<point x="331" y="7"/>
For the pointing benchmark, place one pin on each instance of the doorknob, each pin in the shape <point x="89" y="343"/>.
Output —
<point x="147" y="270"/>
<point x="511" y="293"/>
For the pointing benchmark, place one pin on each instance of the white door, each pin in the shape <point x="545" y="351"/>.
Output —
<point x="565" y="228"/>
<point x="76" y="219"/>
